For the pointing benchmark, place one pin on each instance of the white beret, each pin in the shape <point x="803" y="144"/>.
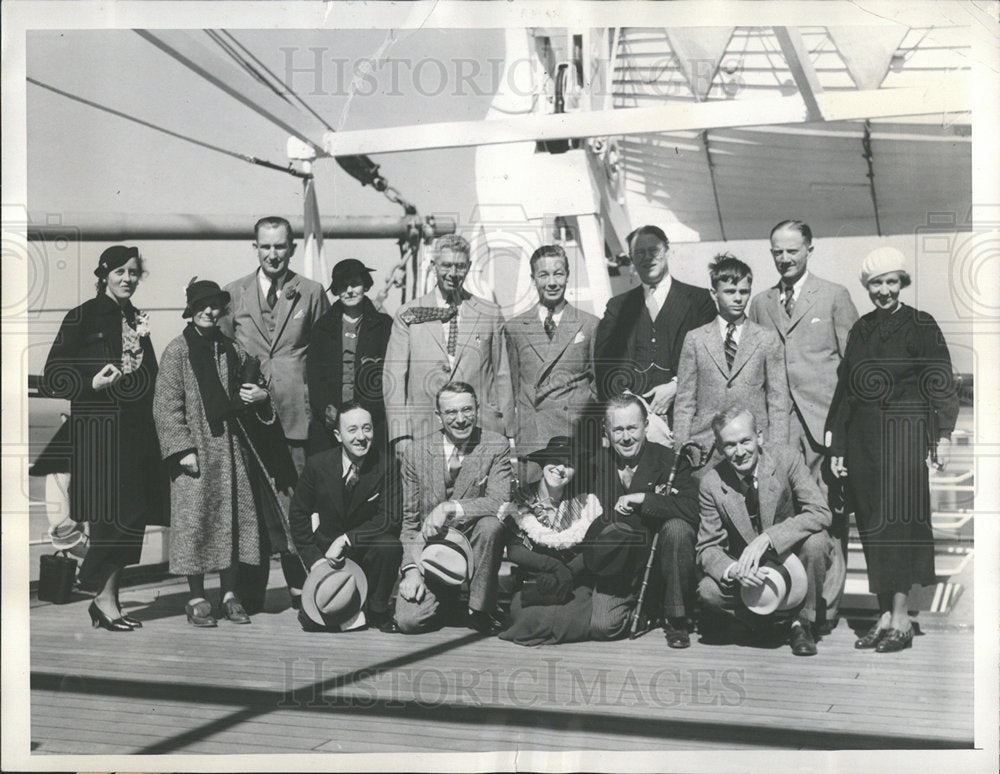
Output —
<point x="882" y="260"/>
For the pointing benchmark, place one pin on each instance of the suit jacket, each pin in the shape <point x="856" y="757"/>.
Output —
<point x="705" y="384"/>
<point x="416" y="367"/>
<point x="553" y="380"/>
<point x="619" y="338"/>
<point x="791" y="508"/>
<point x="372" y="510"/>
<point x="325" y="363"/>
<point x="651" y="474"/>
<point x="482" y="486"/>
<point x="814" y="339"/>
<point x="282" y="358"/>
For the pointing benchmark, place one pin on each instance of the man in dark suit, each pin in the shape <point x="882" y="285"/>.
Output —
<point x="457" y="476"/>
<point x="755" y="502"/>
<point x="551" y="348"/>
<point x="812" y="318"/>
<point x="639" y="339"/>
<point x="632" y="486"/>
<point x="271" y="312"/>
<point x="357" y="505"/>
<point x="446" y="335"/>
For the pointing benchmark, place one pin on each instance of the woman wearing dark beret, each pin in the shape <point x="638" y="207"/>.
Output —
<point x="893" y="412"/>
<point x="226" y="455"/>
<point x="102" y="361"/>
<point x="346" y="354"/>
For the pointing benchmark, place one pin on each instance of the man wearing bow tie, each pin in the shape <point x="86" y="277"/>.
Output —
<point x="271" y="314"/>
<point x="457" y="476"/>
<point x="356" y="502"/>
<point x="639" y="339"/>
<point x="446" y="335"/>
<point x="551" y="360"/>
<point x="632" y="486"/>
<point x="754" y="502"/>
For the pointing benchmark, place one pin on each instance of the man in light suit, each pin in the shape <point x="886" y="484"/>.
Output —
<point x="638" y="343"/>
<point x="271" y="313"/>
<point x="357" y="503"/>
<point x="757" y="502"/>
<point x="551" y="350"/>
<point x="812" y="317"/>
<point x="457" y="476"/>
<point x="446" y="335"/>
<point x="730" y="360"/>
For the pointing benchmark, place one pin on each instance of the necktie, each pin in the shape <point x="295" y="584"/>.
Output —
<point x="651" y="303"/>
<point x="625" y="473"/>
<point x="351" y="479"/>
<point x="451" y="474"/>
<point x="789" y="300"/>
<point x="752" y="500"/>
<point x="272" y="294"/>
<point x="550" y="325"/>
<point x="452" y="329"/>
<point x="730" y="345"/>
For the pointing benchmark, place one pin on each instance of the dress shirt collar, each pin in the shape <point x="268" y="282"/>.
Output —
<point x="449" y="447"/>
<point x="796" y="287"/>
<point x="265" y="281"/>
<point x="659" y="291"/>
<point x="443" y="302"/>
<point x="723" y="324"/>
<point x="543" y="311"/>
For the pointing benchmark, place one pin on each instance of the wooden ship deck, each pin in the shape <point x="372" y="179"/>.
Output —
<point x="271" y="688"/>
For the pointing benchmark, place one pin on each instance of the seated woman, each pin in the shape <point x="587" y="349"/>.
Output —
<point x="547" y="524"/>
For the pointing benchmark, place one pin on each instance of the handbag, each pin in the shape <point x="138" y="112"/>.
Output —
<point x="56" y="575"/>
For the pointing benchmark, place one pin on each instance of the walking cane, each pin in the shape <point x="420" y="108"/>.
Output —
<point x="702" y="459"/>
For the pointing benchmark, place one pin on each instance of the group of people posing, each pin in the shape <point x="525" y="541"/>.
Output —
<point x="686" y="461"/>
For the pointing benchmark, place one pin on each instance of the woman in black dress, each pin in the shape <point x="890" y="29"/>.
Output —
<point x="346" y="354"/>
<point x="892" y="415"/>
<point x="102" y="361"/>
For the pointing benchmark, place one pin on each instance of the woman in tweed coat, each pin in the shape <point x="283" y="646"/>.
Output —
<point x="209" y="412"/>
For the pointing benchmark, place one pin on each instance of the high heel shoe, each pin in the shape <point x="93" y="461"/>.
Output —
<point x="99" y="620"/>
<point x="135" y="623"/>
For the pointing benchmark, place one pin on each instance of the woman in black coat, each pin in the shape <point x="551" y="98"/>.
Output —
<point x="102" y="361"/>
<point x="346" y="353"/>
<point x="892" y="414"/>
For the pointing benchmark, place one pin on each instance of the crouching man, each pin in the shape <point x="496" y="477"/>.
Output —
<point x="763" y="542"/>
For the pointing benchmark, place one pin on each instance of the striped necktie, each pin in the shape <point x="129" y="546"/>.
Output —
<point x="451" y="474"/>
<point x="550" y="325"/>
<point x="730" y="344"/>
<point x="351" y="479"/>
<point x="789" y="302"/>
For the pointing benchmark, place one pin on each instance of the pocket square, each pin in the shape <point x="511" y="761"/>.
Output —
<point x="483" y="480"/>
<point x="660" y="489"/>
<point x="815" y="320"/>
<point x="370" y="360"/>
<point x="299" y="314"/>
<point x="373" y="497"/>
<point x="579" y="338"/>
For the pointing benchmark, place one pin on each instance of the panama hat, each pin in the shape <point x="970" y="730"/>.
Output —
<point x="333" y="597"/>
<point x="448" y="558"/>
<point x="784" y="587"/>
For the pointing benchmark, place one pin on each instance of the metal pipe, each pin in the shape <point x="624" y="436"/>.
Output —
<point x="117" y="227"/>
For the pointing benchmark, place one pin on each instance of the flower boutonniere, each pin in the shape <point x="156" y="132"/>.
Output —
<point x="291" y="293"/>
<point x="142" y="324"/>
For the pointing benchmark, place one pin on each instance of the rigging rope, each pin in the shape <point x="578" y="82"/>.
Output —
<point x="169" y="132"/>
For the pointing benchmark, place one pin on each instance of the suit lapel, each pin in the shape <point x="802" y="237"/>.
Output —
<point x="531" y="328"/>
<point x="644" y="469"/>
<point x="438" y="470"/>
<point x="674" y="308"/>
<point x="468" y="324"/>
<point x="767" y="490"/>
<point x="735" y="504"/>
<point x="283" y="309"/>
<point x="749" y="341"/>
<point x="712" y="341"/>
<point x="469" y="471"/>
<point x="567" y="329"/>
<point x="772" y="304"/>
<point x="807" y="297"/>
<point x="251" y="298"/>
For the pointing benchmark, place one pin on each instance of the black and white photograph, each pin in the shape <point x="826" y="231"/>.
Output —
<point x="515" y="386"/>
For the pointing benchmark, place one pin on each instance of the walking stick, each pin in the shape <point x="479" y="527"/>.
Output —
<point x="702" y="459"/>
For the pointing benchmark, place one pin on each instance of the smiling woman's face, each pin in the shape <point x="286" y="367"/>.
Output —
<point x="206" y="313"/>
<point x="123" y="281"/>
<point x="557" y="475"/>
<point x="884" y="289"/>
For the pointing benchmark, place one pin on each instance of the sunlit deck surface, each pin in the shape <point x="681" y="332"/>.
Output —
<point x="271" y="688"/>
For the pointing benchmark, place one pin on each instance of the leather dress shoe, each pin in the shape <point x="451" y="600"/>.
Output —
<point x="99" y="619"/>
<point x="895" y="640"/>
<point x="384" y="622"/>
<point x="233" y="610"/>
<point x="801" y="640"/>
<point x="676" y="632"/>
<point x="483" y="623"/>
<point x="871" y="638"/>
<point x="199" y="613"/>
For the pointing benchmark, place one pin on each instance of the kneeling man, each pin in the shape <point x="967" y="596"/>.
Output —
<point x="455" y="477"/>
<point x="755" y="504"/>
<point x="357" y="501"/>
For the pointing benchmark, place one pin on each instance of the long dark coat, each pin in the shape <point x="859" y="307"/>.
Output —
<point x="325" y="369"/>
<point x="215" y="513"/>
<point x="117" y="482"/>
<point x="895" y="396"/>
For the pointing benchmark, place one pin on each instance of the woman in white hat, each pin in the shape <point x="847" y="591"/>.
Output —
<point x="893" y="413"/>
